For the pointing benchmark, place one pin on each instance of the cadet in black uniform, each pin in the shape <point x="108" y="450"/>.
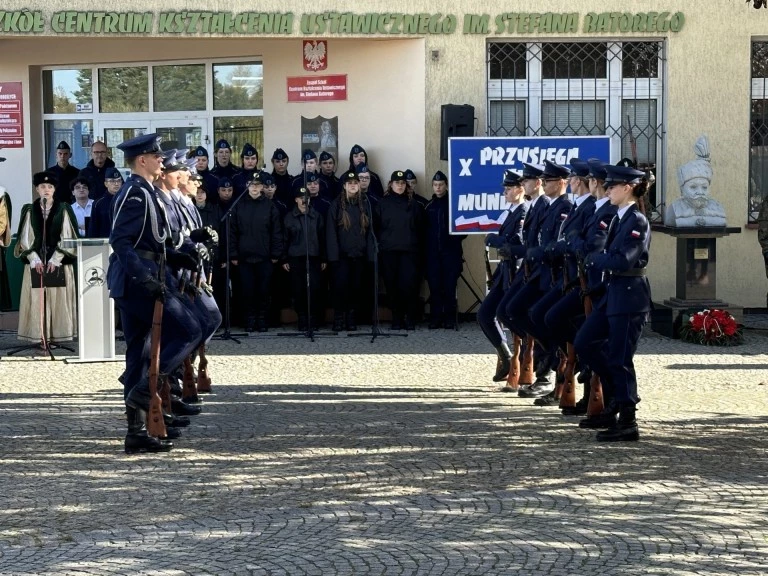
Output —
<point x="347" y="232"/>
<point x="304" y="233"/>
<point x="328" y="175"/>
<point x="445" y="257"/>
<point x="509" y="236"/>
<point x="358" y="156"/>
<point x="100" y="224"/>
<point x="280" y="286"/>
<point x="223" y="167"/>
<point x="250" y="159"/>
<point x="282" y="177"/>
<point x="210" y="182"/>
<point x="64" y="171"/>
<point x="608" y="339"/>
<point x="399" y="221"/>
<point x="256" y="243"/>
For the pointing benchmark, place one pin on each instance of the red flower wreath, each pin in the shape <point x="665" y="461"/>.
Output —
<point x="712" y="328"/>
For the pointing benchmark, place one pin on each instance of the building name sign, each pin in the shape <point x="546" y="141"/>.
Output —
<point x="330" y="23"/>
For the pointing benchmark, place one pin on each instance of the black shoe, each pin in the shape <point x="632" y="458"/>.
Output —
<point x="250" y="325"/>
<point x="176" y="421"/>
<point x="180" y="408"/>
<point x="604" y="420"/>
<point x="503" y="355"/>
<point x="536" y="391"/>
<point x="548" y="400"/>
<point x="579" y="410"/>
<point x="172" y="433"/>
<point x="624" y="430"/>
<point x="584" y="376"/>
<point x="141" y="442"/>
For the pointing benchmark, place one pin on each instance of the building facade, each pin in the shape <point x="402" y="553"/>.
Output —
<point x="652" y="76"/>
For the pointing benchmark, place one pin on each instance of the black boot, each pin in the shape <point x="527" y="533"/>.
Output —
<point x="338" y="321"/>
<point x="261" y="323"/>
<point x="579" y="410"/>
<point x="606" y="419"/>
<point x="624" y="430"/>
<point x="175" y="421"/>
<point x="137" y="439"/>
<point x="351" y="322"/>
<point x="180" y="408"/>
<point x="434" y="323"/>
<point x="503" y="355"/>
<point x="250" y="324"/>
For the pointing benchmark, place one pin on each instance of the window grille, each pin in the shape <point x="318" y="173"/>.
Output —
<point x="758" y="131"/>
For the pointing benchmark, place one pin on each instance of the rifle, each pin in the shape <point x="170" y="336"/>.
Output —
<point x="568" y="386"/>
<point x="513" y="378"/>
<point x="155" y="423"/>
<point x="596" y="403"/>
<point x="488" y="271"/>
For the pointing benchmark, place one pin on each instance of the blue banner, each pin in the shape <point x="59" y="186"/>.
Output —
<point x="476" y="171"/>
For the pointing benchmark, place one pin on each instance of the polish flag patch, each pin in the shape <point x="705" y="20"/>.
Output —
<point x="603" y="225"/>
<point x="635" y="234"/>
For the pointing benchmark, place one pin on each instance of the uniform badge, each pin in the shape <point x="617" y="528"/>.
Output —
<point x="635" y="234"/>
<point x="138" y="199"/>
<point x="563" y="215"/>
<point x="603" y="225"/>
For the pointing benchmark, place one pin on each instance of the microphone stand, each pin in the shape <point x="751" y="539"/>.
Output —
<point x="310" y="332"/>
<point x="45" y="344"/>
<point x="376" y="330"/>
<point x="227" y="335"/>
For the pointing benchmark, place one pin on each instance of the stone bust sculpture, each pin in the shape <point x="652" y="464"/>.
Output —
<point x="695" y="207"/>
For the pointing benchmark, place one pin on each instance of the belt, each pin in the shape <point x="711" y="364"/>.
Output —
<point x="632" y="272"/>
<point x="155" y="257"/>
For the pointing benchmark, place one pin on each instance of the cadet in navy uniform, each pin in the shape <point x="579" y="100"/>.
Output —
<point x="309" y="174"/>
<point x="608" y="339"/>
<point x="314" y="187"/>
<point x="328" y="175"/>
<point x="100" y="224"/>
<point x="567" y="315"/>
<point x="256" y="243"/>
<point x="223" y="167"/>
<point x="564" y="275"/>
<point x="542" y="274"/>
<point x="349" y="251"/>
<point x="138" y="240"/>
<point x="304" y="232"/>
<point x="357" y="157"/>
<point x="249" y="158"/>
<point x="509" y="235"/>
<point x="399" y="223"/>
<point x="282" y="177"/>
<point x="64" y="171"/>
<point x="210" y="182"/>
<point x="445" y="257"/>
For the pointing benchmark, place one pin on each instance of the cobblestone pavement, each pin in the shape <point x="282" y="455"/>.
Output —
<point x="395" y="457"/>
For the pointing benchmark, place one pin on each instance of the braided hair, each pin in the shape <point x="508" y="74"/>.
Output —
<point x="344" y="220"/>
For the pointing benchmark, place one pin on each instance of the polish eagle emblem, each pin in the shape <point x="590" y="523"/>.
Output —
<point x="315" y="55"/>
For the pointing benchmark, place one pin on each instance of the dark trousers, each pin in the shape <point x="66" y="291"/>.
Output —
<point x="279" y="294"/>
<point x="348" y="276"/>
<point x="443" y="271"/>
<point x="608" y="344"/>
<point x="299" y="285"/>
<point x="401" y="277"/>
<point x="564" y="318"/>
<point x="220" y="290"/>
<point x="537" y="314"/>
<point x="486" y="314"/>
<point x="519" y="304"/>
<point x="255" y="278"/>
<point x="181" y="333"/>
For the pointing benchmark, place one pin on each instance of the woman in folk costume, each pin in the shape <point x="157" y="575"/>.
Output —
<point x="6" y="213"/>
<point x="49" y="260"/>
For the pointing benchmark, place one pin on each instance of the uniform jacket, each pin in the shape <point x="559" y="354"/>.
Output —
<point x="284" y="189"/>
<point x="65" y="176"/>
<point x="96" y="177"/>
<point x="227" y="171"/>
<point x="256" y="231"/>
<point x="294" y="226"/>
<point x="320" y="204"/>
<point x="211" y="186"/>
<point x="100" y="224"/>
<point x="591" y="239"/>
<point x="399" y="224"/>
<point x="627" y="247"/>
<point x="139" y="224"/>
<point x="352" y="243"/>
<point x="509" y="236"/>
<point x="333" y="185"/>
<point x="438" y="239"/>
<point x="573" y="226"/>
<point x="530" y="234"/>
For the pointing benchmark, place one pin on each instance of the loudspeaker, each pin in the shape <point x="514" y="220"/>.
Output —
<point x="455" y="120"/>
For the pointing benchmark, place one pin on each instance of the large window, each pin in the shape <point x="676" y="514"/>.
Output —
<point x="188" y="103"/>
<point x="758" y="130"/>
<point x="583" y="88"/>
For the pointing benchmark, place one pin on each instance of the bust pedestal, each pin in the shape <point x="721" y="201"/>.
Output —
<point x="696" y="277"/>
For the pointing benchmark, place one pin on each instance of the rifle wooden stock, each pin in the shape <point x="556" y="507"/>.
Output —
<point x="488" y="271"/>
<point x="203" y="379"/>
<point x="568" y="397"/>
<point x="596" y="403"/>
<point x="188" y="387"/>
<point x="155" y="424"/>
<point x="513" y="378"/>
<point x="560" y="376"/>
<point x="527" y="375"/>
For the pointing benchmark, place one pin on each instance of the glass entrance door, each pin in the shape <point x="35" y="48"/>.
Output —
<point x="113" y="133"/>
<point x="179" y="134"/>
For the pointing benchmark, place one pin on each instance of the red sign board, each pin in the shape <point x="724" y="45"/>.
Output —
<point x="315" y="55"/>
<point x="317" y="88"/>
<point x="11" y="115"/>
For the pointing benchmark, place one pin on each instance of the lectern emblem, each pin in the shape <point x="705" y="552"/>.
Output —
<point x="94" y="276"/>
